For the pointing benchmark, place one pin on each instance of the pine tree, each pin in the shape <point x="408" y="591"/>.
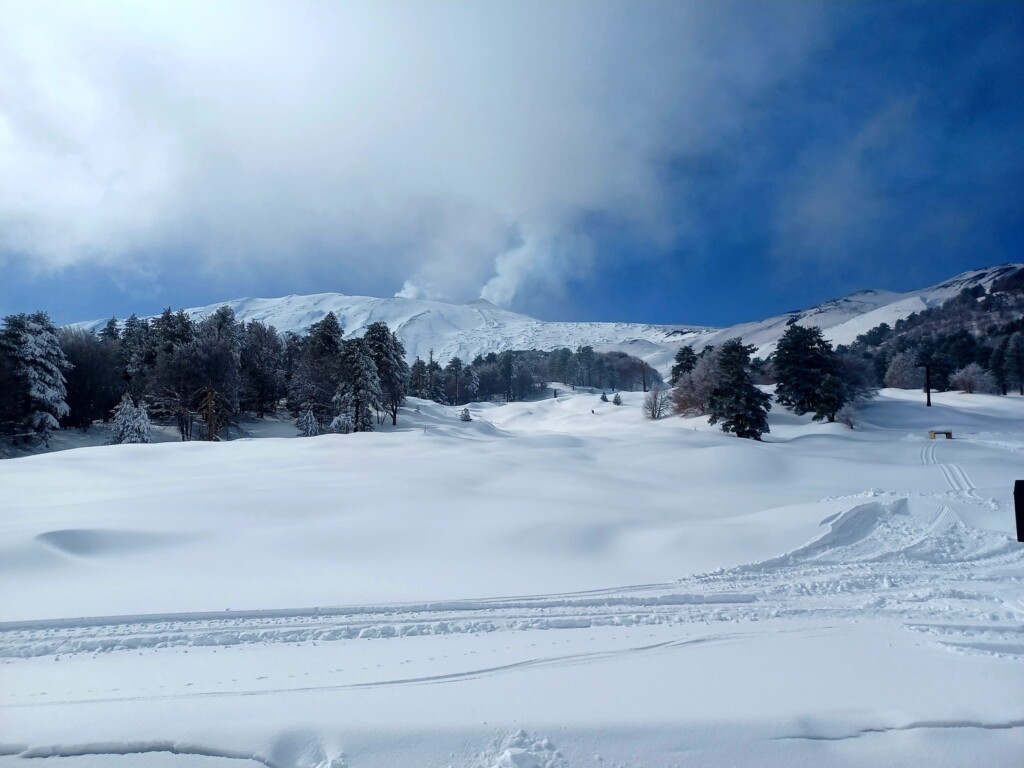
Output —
<point x="998" y="365"/>
<point x="802" y="361"/>
<point x="604" y="397"/>
<point x="388" y="355"/>
<point x="131" y="423"/>
<point x="1015" y="360"/>
<point x="134" y="348"/>
<point x="307" y="424"/>
<point x="111" y="331"/>
<point x="453" y="372"/>
<point x="465" y="415"/>
<point x="617" y="400"/>
<point x="262" y="368"/>
<point x="418" y="378"/>
<point x="317" y="373"/>
<point x="740" y="406"/>
<point x="685" y="360"/>
<point x="359" y="392"/>
<point x="37" y="365"/>
<point x="830" y="398"/>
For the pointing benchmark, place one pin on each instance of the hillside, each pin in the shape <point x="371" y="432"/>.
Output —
<point x="479" y="327"/>
<point x="555" y="584"/>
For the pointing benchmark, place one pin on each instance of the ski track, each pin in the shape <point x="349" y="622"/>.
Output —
<point x="911" y="559"/>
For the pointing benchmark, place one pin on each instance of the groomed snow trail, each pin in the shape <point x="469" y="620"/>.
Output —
<point x="914" y="560"/>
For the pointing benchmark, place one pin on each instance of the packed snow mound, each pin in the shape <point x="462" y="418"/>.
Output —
<point x="480" y="327"/>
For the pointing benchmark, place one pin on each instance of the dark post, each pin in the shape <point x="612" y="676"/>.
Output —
<point x="1018" y="503"/>
<point x="928" y="383"/>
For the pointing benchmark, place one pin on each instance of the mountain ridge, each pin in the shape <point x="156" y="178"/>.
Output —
<point x="479" y="327"/>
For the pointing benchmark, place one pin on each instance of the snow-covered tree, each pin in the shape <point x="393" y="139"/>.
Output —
<point x="471" y="383"/>
<point x="388" y="355"/>
<point x="464" y="415"/>
<point x="130" y="424"/>
<point x="359" y="393"/>
<point x="604" y="397"/>
<point x="973" y="378"/>
<point x="739" y="405"/>
<point x="655" y="403"/>
<point x="692" y="393"/>
<point x="617" y="400"/>
<point x="903" y="372"/>
<point x="37" y="388"/>
<point x="307" y="424"/>
<point x="317" y="373"/>
<point x="134" y="354"/>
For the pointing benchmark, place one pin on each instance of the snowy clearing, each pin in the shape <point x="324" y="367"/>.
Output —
<point x="542" y="586"/>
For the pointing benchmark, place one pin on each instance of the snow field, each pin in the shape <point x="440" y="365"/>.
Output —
<point x="447" y="594"/>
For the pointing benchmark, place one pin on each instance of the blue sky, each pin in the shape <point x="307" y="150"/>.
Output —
<point x="704" y="163"/>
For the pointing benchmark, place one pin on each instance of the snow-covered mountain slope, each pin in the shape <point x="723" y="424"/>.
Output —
<point x="480" y="327"/>
<point x="842" y="320"/>
<point x="465" y="330"/>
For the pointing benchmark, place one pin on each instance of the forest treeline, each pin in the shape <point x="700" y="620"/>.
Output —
<point x="202" y="375"/>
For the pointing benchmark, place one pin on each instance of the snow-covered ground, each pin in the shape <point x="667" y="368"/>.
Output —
<point x="557" y="583"/>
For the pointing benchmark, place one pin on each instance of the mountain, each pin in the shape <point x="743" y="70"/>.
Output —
<point x="479" y="327"/>
<point x="842" y="320"/>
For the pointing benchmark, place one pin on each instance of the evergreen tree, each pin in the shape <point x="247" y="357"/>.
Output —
<point x="94" y="383"/>
<point x="453" y="372"/>
<point x="36" y="362"/>
<point x="134" y="350"/>
<point x="262" y="368"/>
<point x="435" y="381"/>
<point x="131" y="423"/>
<point x="617" y="400"/>
<point x="472" y="383"/>
<point x="685" y="360"/>
<point x="604" y="397"/>
<point x="802" y="361"/>
<point x="111" y="331"/>
<point x="465" y="415"/>
<point x="388" y="355"/>
<point x="997" y="363"/>
<point x="314" y="382"/>
<point x="418" y="378"/>
<point x="359" y="393"/>
<point x="307" y="424"/>
<point x="830" y="398"/>
<point x="740" y="406"/>
<point x="1015" y="360"/>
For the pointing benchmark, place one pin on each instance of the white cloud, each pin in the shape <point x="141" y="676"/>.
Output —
<point x="442" y="145"/>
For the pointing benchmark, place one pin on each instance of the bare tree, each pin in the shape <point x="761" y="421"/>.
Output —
<point x="656" y="403"/>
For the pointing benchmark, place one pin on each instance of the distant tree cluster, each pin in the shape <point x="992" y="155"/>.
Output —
<point x="720" y="382"/>
<point x="973" y="342"/>
<point x="199" y="375"/>
<point x="521" y="374"/>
